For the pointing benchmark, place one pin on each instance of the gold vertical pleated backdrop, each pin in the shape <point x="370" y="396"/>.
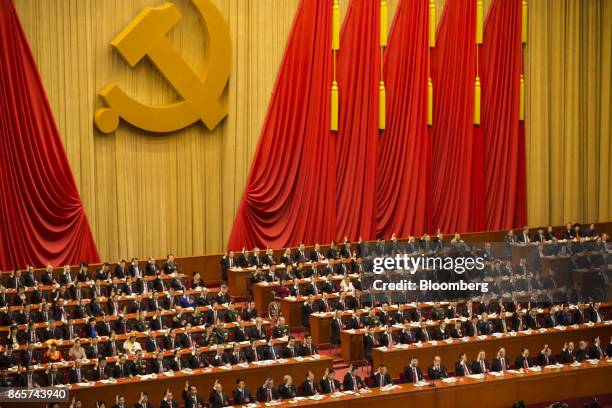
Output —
<point x="149" y="194"/>
<point x="569" y="137"/>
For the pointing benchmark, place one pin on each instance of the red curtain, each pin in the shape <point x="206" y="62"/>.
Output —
<point x="457" y="154"/>
<point x="42" y="218"/>
<point x="289" y="196"/>
<point x="357" y="139"/>
<point x="404" y="153"/>
<point x="504" y="138"/>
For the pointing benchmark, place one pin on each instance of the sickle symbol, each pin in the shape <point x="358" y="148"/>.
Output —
<point x="145" y="36"/>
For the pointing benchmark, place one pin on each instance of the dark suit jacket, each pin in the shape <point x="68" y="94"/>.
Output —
<point x="326" y="386"/>
<point x="242" y="397"/>
<point x="460" y="371"/>
<point x="190" y="403"/>
<point x="262" y="394"/>
<point x="166" y="404"/>
<point x="409" y="374"/>
<point x="476" y="367"/>
<point x="376" y="380"/>
<point x="349" y="385"/>
<point x="437" y="374"/>
<point x="308" y="389"/>
<point x="497" y="364"/>
<point x="287" y="391"/>
<point x="216" y="401"/>
<point x="520" y="362"/>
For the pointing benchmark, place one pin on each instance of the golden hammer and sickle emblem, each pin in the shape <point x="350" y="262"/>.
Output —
<point x="145" y="36"/>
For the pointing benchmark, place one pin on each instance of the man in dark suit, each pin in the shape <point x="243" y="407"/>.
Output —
<point x="191" y="397"/>
<point x="352" y="381"/>
<point x="53" y="377"/>
<point x="381" y="377"/>
<point x="76" y="373"/>
<point x="369" y="342"/>
<point x="287" y="389"/>
<point x="437" y="371"/>
<point x="101" y="370"/>
<point x="197" y="359"/>
<point x="406" y="336"/>
<point x="568" y="354"/>
<point x="523" y="360"/>
<point x="270" y="352"/>
<point x="461" y="366"/>
<point x="336" y="327"/>
<point x="309" y="386"/>
<point x="169" y="402"/>
<point x="480" y="365"/>
<point x="30" y="356"/>
<point x="143" y="401"/>
<point x="159" y="365"/>
<point x="329" y="384"/>
<point x="240" y="395"/>
<point x="29" y="378"/>
<point x="217" y="398"/>
<point x="123" y="368"/>
<point x="252" y="353"/>
<point x="290" y="350"/>
<point x="596" y="352"/>
<point x="300" y="255"/>
<point x="267" y="392"/>
<point x="545" y="357"/>
<point x="500" y="362"/>
<point x="412" y="372"/>
<point x="308" y="348"/>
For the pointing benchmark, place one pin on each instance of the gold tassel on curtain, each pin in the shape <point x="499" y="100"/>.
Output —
<point x="334" y="106"/>
<point x="382" y="94"/>
<point x="335" y="26"/>
<point x="479" y="21"/>
<point x="429" y="102"/>
<point x="524" y="22"/>
<point x="384" y="23"/>
<point x="522" y="98"/>
<point x="477" y="101"/>
<point x="333" y="125"/>
<point x="432" y="23"/>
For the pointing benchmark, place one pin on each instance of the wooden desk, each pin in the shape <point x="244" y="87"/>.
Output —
<point x="237" y="282"/>
<point x="320" y="327"/>
<point x="532" y="387"/>
<point x="203" y="378"/>
<point x="291" y="310"/>
<point x="395" y="359"/>
<point x="263" y="293"/>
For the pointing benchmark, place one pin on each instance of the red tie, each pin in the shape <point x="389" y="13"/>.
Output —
<point x="415" y="375"/>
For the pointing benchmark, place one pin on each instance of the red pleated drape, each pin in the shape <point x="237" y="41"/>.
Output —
<point x="457" y="153"/>
<point x="504" y="139"/>
<point x="290" y="192"/>
<point x="404" y="152"/>
<point x="357" y="139"/>
<point x="42" y="218"/>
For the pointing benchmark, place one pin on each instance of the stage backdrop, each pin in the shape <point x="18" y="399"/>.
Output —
<point x="148" y="194"/>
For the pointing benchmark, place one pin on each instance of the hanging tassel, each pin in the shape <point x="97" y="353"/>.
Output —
<point x="522" y="98"/>
<point x="335" y="26"/>
<point x="477" y="101"/>
<point x="524" y="22"/>
<point x="382" y="95"/>
<point x="334" y="107"/>
<point x="432" y="23"/>
<point x="479" y="21"/>
<point x="384" y="23"/>
<point x="429" y="102"/>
